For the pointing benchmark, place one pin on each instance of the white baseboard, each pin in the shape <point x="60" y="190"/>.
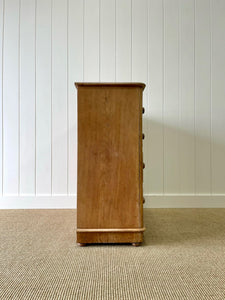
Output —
<point x="184" y="201"/>
<point x="38" y="202"/>
<point x="152" y="201"/>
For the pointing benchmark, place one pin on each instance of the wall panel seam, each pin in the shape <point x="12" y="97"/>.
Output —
<point x="163" y="89"/>
<point x="35" y="104"/>
<point x="83" y="35"/>
<point x="99" y="41"/>
<point x="2" y="104"/>
<point x="211" y="128"/>
<point x="179" y="93"/>
<point x="51" y="92"/>
<point x="147" y="75"/>
<point x="131" y="40"/>
<point x="19" y="98"/>
<point x="115" y="39"/>
<point x="195" y="152"/>
<point x="67" y="96"/>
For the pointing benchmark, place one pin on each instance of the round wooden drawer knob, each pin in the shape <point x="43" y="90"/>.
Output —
<point x="143" y="136"/>
<point x="143" y="110"/>
<point x="143" y="165"/>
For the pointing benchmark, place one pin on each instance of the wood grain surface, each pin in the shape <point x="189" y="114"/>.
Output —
<point x="110" y="174"/>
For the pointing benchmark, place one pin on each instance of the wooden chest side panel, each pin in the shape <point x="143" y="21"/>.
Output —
<point x="108" y="193"/>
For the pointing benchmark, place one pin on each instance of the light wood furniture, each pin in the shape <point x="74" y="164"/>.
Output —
<point x="110" y="163"/>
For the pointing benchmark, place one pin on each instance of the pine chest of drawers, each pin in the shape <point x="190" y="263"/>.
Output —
<point x="110" y="163"/>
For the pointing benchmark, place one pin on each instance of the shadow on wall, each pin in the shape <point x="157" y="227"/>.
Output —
<point x="182" y="159"/>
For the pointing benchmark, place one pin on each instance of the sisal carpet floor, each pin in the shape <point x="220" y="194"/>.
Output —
<point x="183" y="257"/>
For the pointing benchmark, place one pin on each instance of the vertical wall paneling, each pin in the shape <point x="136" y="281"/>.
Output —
<point x="43" y="97"/>
<point x="75" y="73"/>
<point x="176" y="47"/>
<point x="139" y="40"/>
<point x="202" y="96"/>
<point x="1" y="85"/>
<point x="107" y="40"/>
<point x="139" y="66"/>
<point x="91" y="40"/>
<point x="27" y="97"/>
<point x="155" y="86"/>
<point x="123" y="40"/>
<point x="59" y="96"/>
<point x="218" y="96"/>
<point x="10" y="98"/>
<point x="186" y="97"/>
<point x="171" y="99"/>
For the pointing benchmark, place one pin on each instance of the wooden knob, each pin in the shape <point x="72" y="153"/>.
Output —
<point x="81" y="244"/>
<point x="143" y="165"/>
<point x="143" y="136"/>
<point x="143" y="200"/>
<point x="143" y="110"/>
<point x="136" y="244"/>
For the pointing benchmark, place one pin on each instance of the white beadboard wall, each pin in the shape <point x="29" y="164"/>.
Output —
<point x="176" y="47"/>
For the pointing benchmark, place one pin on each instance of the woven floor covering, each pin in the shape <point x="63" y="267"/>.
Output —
<point x="183" y="257"/>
